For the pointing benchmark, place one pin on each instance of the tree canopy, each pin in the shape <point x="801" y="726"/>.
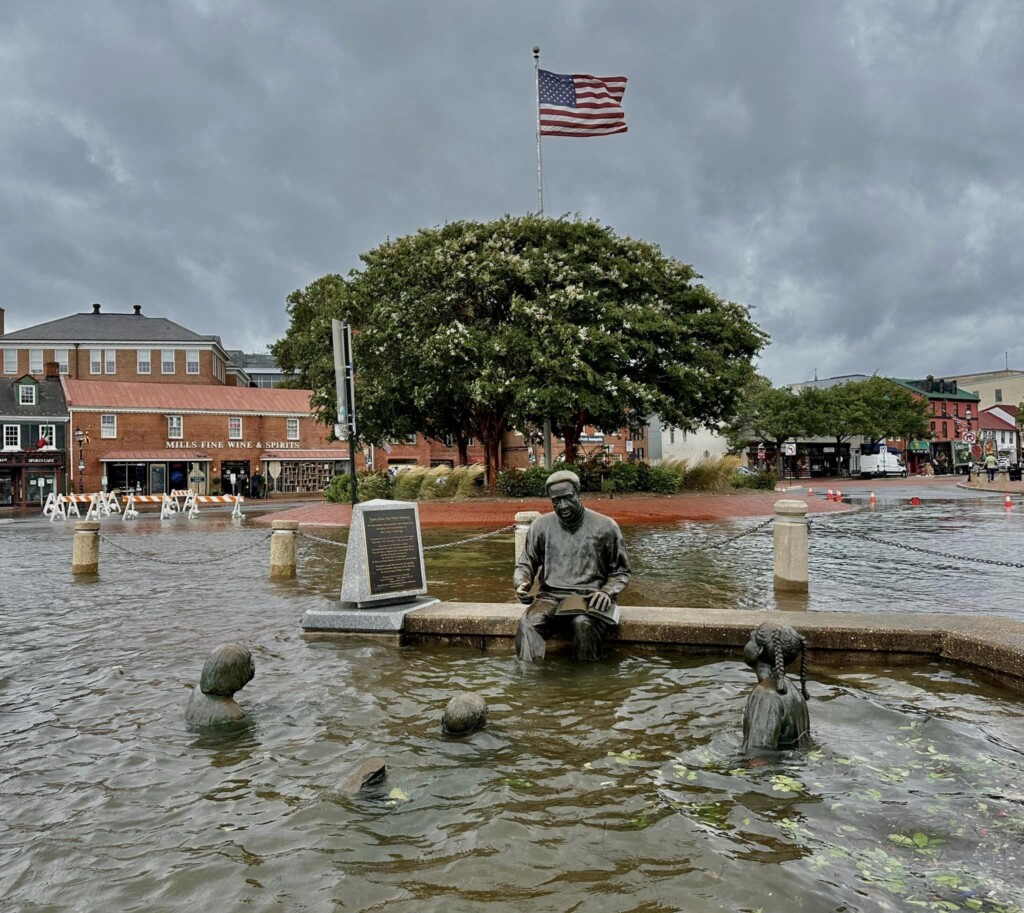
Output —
<point x="474" y="329"/>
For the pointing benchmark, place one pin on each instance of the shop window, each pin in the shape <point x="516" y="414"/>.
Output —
<point x="108" y="426"/>
<point x="293" y="429"/>
<point x="175" y="427"/>
<point x="61" y="357"/>
<point x="10" y="361"/>
<point x="12" y="437"/>
<point x="35" y="361"/>
<point x="192" y="361"/>
<point x="26" y="394"/>
<point x="96" y="361"/>
<point x="235" y="428"/>
<point x="48" y="433"/>
<point x="143" y="361"/>
<point x="167" y="361"/>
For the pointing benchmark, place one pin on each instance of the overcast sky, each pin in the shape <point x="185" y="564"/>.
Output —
<point x="851" y="170"/>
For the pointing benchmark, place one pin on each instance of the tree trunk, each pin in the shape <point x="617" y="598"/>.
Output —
<point x="463" y="445"/>
<point x="492" y="431"/>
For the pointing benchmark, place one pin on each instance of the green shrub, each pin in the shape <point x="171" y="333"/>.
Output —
<point x="437" y="484"/>
<point x="468" y="480"/>
<point x="625" y="475"/>
<point x="762" y="481"/>
<point x="592" y="472"/>
<point x="524" y="483"/>
<point x="665" y="480"/>
<point x="339" y="489"/>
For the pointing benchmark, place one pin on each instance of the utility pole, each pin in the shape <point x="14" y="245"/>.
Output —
<point x="341" y="336"/>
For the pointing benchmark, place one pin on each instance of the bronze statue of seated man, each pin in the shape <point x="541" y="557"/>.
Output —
<point x="775" y="717"/>
<point x="578" y="560"/>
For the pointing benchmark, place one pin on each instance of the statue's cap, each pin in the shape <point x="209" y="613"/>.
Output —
<point x="563" y="475"/>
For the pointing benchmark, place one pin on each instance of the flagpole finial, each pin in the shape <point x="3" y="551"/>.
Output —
<point x="536" y="52"/>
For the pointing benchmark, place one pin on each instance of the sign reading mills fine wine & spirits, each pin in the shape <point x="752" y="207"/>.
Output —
<point x="231" y="445"/>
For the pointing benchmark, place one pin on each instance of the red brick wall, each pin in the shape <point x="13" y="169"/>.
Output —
<point x="127" y="365"/>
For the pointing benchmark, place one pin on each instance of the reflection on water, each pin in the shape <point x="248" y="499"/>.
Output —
<point x="615" y="786"/>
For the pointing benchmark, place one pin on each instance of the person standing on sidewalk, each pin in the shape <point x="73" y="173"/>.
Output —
<point x="990" y="466"/>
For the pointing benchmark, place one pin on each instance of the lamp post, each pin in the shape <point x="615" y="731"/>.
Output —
<point x="80" y="437"/>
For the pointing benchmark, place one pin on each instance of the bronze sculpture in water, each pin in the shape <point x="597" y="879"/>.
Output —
<point x="228" y="669"/>
<point x="579" y="561"/>
<point x="775" y="717"/>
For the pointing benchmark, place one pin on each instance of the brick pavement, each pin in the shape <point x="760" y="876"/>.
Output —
<point x="496" y="512"/>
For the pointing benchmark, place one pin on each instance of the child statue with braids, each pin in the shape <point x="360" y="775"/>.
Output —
<point x="776" y="718"/>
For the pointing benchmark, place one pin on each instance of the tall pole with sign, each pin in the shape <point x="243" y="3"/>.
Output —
<point x="341" y="335"/>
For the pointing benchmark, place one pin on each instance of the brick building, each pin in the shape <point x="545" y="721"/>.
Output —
<point x="951" y="412"/>
<point x="33" y="439"/>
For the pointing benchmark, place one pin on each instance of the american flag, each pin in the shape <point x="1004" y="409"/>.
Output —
<point x="581" y="105"/>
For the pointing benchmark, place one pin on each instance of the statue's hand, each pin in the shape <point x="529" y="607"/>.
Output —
<point x="523" y="593"/>
<point x="600" y="601"/>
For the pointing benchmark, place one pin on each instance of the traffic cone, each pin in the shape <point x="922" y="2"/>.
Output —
<point x="829" y="496"/>
<point x="839" y="495"/>
<point x="872" y="499"/>
<point x="810" y="492"/>
<point x="1008" y="504"/>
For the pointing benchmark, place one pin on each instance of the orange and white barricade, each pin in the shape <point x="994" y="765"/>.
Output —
<point x="236" y="513"/>
<point x="130" y="513"/>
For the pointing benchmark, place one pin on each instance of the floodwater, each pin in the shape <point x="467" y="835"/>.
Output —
<point x="608" y="787"/>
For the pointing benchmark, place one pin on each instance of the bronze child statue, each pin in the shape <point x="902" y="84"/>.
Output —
<point x="776" y="718"/>
<point x="228" y="669"/>
<point x="580" y="563"/>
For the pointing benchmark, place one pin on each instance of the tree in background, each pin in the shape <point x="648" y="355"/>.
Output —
<point x="773" y="414"/>
<point x="475" y="328"/>
<point x="887" y="410"/>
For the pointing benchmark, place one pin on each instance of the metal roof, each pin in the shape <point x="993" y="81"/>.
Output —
<point x="185" y="398"/>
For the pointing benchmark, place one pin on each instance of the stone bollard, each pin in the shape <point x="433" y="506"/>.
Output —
<point x="85" y="550"/>
<point x="790" y="547"/>
<point x="283" y="548"/>
<point x="523" y="520"/>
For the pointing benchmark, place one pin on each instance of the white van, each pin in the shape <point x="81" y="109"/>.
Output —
<point x="881" y="464"/>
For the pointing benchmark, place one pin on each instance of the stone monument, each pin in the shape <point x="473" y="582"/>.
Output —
<point x="384" y="577"/>
<point x="775" y="717"/>
<point x="228" y="669"/>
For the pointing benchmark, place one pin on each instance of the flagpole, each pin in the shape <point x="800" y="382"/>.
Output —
<point x="540" y="169"/>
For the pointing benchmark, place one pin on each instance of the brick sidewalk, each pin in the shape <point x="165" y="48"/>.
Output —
<point x="493" y="512"/>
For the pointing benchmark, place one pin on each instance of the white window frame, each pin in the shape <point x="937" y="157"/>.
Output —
<point x="108" y="426"/>
<point x="31" y="390"/>
<point x="61" y="357"/>
<point x="96" y="361"/>
<point x="51" y="438"/>
<point x="191" y="354"/>
<point x="143" y="361"/>
<point x="110" y="361"/>
<point x="175" y="427"/>
<point x="12" y="437"/>
<point x="409" y="439"/>
<point x="293" y="429"/>
<point x="165" y="361"/>
<point x="10" y="361"/>
<point x="35" y="361"/>
<point x="234" y="435"/>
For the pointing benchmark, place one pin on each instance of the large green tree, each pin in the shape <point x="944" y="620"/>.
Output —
<point x="475" y="328"/>
<point x="888" y="410"/>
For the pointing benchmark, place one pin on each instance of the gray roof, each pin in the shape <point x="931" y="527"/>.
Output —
<point x="827" y="382"/>
<point x="49" y="400"/>
<point x="260" y="361"/>
<point x="112" y="328"/>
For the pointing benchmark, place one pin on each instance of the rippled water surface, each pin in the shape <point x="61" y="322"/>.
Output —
<point x="606" y="787"/>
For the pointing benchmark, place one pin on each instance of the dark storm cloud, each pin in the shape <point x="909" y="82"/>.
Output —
<point x="851" y="170"/>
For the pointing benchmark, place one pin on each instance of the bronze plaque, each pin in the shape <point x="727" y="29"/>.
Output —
<point x="393" y="555"/>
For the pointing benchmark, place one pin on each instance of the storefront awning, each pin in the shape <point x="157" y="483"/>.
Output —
<point x="155" y="456"/>
<point x="321" y="455"/>
<point x="919" y="445"/>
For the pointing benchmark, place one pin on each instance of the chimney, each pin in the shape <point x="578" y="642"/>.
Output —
<point x="95" y="308"/>
<point x="1" y="321"/>
<point x="52" y="369"/>
<point x="138" y="310"/>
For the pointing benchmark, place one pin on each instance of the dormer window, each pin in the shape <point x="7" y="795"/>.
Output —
<point x="26" y="394"/>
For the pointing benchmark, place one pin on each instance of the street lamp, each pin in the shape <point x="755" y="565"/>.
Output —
<point x="80" y="437"/>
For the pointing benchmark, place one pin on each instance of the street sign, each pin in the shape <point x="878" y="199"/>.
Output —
<point x="761" y="453"/>
<point x="789" y="449"/>
<point x="969" y="437"/>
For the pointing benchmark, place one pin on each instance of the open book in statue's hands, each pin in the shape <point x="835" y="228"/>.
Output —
<point x="596" y="603"/>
